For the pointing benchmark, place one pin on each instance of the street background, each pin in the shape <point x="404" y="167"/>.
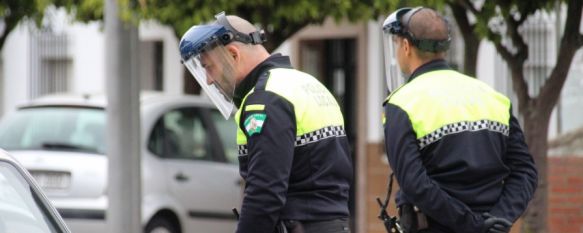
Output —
<point x="530" y="51"/>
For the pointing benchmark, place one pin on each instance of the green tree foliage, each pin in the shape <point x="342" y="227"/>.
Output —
<point x="85" y="10"/>
<point x="13" y="11"/>
<point x="280" y="18"/>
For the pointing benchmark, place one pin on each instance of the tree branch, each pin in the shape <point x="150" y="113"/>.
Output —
<point x="471" y="40"/>
<point x="523" y="18"/>
<point x="517" y="40"/>
<point x="459" y="13"/>
<point x="10" y="23"/>
<point x="515" y="61"/>
<point x="572" y="40"/>
<point x="519" y="85"/>
<point x="3" y="39"/>
<point x="504" y="52"/>
<point x="469" y="5"/>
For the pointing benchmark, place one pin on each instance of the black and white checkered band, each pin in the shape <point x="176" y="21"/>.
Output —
<point x="462" y="127"/>
<point x="242" y="150"/>
<point x="311" y="137"/>
<point x="321" y="134"/>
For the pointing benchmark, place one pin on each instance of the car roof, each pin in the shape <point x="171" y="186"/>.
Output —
<point x="100" y="100"/>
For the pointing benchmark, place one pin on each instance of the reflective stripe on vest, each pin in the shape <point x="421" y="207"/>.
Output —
<point x="445" y="102"/>
<point x="317" y="113"/>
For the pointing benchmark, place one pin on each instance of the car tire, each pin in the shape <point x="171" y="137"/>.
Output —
<point x="160" y="225"/>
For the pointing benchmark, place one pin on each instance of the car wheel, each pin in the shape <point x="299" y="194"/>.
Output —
<point x="160" y="225"/>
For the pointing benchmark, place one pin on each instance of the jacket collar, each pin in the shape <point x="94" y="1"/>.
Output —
<point x="438" y="64"/>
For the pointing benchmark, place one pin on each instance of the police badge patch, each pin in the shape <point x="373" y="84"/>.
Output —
<point x="254" y="123"/>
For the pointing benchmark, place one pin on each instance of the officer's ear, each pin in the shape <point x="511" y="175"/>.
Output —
<point x="234" y="52"/>
<point x="406" y="46"/>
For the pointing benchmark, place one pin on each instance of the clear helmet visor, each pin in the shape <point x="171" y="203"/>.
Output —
<point x="214" y="70"/>
<point x="394" y="76"/>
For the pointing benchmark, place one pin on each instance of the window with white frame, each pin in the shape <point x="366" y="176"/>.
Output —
<point x="539" y="33"/>
<point x="51" y="65"/>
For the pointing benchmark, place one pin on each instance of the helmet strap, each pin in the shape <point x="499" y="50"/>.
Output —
<point x="256" y="37"/>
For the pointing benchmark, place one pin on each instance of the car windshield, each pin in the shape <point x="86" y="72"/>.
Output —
<point x="20" y="207"/>
<point x="54" y="128"/>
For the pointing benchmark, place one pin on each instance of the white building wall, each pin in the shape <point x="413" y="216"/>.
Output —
<point x="87" y="53"/>
<point x="285" y="49"/>
<point x="88" y="56"/>
<point x="572" y="97"/>
<point x="15" y="56"/>
<point x="486" y="66"/>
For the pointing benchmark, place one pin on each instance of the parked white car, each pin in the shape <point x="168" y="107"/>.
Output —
<point x="23" y="206"/>
<point x="190" y="177"/>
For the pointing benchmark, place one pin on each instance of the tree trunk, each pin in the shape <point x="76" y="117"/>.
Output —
<point x="9" y="24"/>
<point x="471" y="56"/>
<point x="536" y="132"/>
<point x="538" y="117"/>
<point x="471" y="40"/>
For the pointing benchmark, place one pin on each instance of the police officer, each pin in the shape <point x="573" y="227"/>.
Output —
<point x="293" y="151"/>
<point x="457" y="151"/>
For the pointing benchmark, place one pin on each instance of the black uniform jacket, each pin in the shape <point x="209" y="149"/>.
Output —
<point x="457" y="178"/>
<point x="285" y="181"/>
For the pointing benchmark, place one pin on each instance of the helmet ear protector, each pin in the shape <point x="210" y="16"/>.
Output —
<point x="398" y="22"/>
<point x="256" y="37"/>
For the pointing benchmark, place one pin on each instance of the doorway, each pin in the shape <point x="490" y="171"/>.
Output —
<point x="333" y="62"/>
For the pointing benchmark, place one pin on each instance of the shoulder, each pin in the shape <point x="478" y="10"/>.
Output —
<point x="292" y="84"/>
<point x="284" y="79"/>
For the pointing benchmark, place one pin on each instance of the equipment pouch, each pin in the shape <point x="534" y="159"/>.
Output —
<point x="280" y="227"/>
<point x="408" y="218"/>
<point x="421" y="219"/>
<point x="412" y="219"/>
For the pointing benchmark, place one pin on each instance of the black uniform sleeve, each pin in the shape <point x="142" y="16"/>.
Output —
<point x="521" y="183"/>
<point x="270" y="160"/>
<point x="405" y="161"/>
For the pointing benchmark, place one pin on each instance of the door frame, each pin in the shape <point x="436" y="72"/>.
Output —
<point x="331" y="29"/>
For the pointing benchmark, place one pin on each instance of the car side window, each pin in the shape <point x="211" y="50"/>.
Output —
<point x="181" y="134"/>
<point x="227" y="130"/>
<point x="156" y="141"/>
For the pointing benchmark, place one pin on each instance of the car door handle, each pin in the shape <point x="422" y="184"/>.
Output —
<point x="180" y="177"/>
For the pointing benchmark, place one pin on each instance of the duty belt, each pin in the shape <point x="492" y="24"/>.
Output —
<point x="335" y="225"/>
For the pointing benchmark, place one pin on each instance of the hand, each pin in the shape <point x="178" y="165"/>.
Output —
<point x="493" y="224"/>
